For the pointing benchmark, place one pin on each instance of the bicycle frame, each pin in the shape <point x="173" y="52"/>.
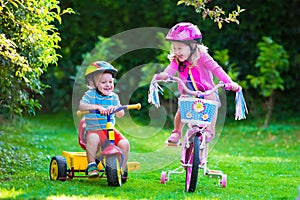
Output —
<point x="194" y="145"/>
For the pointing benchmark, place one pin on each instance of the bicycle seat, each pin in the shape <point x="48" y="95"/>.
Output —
<point x="81" y="130"/>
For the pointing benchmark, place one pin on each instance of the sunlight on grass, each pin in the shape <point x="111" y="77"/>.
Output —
<point x="8" y="194"/>
<point x="252" y="158"/>
<point x="156" y="160"/>
<point x="259" y="164"/>
<point x="73" y="197"/>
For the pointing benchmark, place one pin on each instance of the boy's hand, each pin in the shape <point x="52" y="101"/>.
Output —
<point x="102" y="110"/>
<point x="110" y="109"/>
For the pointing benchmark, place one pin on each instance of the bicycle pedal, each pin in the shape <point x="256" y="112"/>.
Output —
<point x="170" y="144"/>
<point x="215" y="172"/>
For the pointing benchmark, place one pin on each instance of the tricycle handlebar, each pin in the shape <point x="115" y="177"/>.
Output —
<point x="137" y="106"/>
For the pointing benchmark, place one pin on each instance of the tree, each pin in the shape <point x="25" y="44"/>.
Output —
<point x="272" y="61"/>
<point x="277" y="19"/>
<point x="216" y="14"/>
<point x="28" y="43"/>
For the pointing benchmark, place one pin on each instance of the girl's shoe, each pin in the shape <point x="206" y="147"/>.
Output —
<point x="174" y="137"/>
<point x="93" y="170"/>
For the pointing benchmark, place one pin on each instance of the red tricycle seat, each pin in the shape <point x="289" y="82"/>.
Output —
<point x="81" y="131"/>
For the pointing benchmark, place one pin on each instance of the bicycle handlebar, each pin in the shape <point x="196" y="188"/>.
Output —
<point x="240" y="103"/>
<point x="192" y="92"/>
<point x="137" y="106"/>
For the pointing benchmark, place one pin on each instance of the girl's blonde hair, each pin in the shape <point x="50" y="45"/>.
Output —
<point x="195" y="56"/>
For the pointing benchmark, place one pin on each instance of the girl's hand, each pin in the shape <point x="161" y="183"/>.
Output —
<point x="233" y="86"/>
<point x="161" y="76"/>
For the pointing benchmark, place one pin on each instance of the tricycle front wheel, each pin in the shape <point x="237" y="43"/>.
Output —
<point x="113" y="171"/>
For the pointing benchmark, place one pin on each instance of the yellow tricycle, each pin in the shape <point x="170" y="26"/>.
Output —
<point x="74" y="164"/>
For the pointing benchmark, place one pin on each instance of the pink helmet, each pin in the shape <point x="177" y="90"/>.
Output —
<point x="184" y="31"/>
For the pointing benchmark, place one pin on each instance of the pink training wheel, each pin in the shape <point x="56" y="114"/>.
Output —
<point x="163" y="177"/>
<point x="223" y="182"/>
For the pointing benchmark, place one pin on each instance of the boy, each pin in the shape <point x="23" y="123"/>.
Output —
<point x="100" y="96"/>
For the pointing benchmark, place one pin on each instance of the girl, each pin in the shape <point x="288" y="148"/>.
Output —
<point x="190" y="58"/>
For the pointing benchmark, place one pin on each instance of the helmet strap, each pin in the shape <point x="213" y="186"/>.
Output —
<point x="181" y="66"/>
<point x="95" y="86"/>
<point x="99" y="92"/>
<point x="192" y="50"/>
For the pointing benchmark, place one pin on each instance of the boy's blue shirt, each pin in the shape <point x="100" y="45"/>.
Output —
<point x="97" y="121"/>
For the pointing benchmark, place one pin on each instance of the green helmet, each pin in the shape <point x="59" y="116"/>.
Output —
<point x="100" y="66"/>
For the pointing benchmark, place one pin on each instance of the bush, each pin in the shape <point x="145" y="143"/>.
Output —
<point x="28" y="43"/>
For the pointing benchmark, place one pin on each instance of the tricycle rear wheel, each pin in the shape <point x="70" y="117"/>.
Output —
<point x="58" y="168"/>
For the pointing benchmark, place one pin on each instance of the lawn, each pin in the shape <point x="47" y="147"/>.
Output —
<point x="260" y="164"/>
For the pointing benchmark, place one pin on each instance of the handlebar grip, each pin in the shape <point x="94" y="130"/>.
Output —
<point x="79" y="113"/>
<point x="134" y="106"/>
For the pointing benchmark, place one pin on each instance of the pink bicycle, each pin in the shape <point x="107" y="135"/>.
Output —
<point x="197" y="113"/>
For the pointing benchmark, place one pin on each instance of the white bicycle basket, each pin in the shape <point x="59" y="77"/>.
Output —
<point x="197" y="111"/>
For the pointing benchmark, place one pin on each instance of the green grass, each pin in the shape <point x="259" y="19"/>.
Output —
<point x="260" y="164"/>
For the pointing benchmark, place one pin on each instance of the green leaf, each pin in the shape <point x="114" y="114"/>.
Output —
<point x="180" y="2"/>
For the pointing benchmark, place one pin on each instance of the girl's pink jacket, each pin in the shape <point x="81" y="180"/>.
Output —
<point x="202" y="73"/>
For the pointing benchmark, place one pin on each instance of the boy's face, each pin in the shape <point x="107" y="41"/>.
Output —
<point x="181" y="50"/>
<point x="105" y="83"/>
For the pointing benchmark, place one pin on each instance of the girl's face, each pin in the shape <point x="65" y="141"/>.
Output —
<point x="181" y="51"/>
<point x="105" y="83"/>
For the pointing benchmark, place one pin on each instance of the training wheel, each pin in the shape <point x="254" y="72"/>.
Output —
<point x="163" y="177"/>
<point x="223" y="182"/>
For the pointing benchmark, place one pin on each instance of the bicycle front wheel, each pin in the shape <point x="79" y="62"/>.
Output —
<point x="193" y="161"/>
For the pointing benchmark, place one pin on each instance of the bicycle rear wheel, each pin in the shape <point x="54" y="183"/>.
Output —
<point x="193" y="161"/>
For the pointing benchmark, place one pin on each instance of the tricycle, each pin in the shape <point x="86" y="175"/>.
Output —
<point x="109" y="158"/>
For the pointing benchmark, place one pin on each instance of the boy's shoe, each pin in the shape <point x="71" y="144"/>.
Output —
<point x="124" y="176"/>
<point x="174" y="137"/>
<point x="93" y="170"/>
